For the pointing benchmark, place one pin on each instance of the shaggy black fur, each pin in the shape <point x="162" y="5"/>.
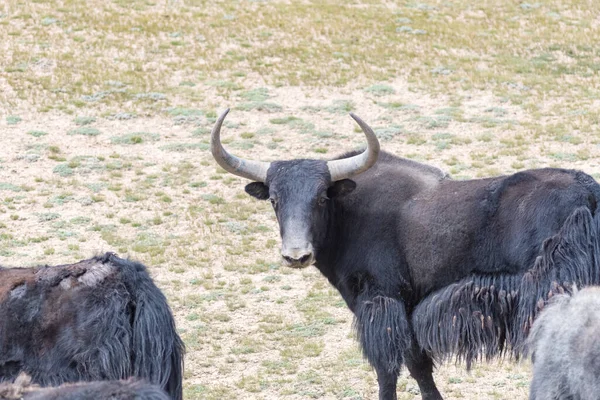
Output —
<point x="407" y="245"/>
<point x="382" y="329"/>
<point x="99" y="319"/>
<point x="485" y="316"/>
<point x="131" y="389"/>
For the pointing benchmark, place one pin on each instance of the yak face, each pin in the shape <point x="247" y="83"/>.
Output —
<point x="301" y="192"/>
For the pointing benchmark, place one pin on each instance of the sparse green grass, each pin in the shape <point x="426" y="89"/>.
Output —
<point x="85" y="131"/>
<point x="36" y="133"/>
<point x="183" y="147"/>
<point x="135" y="138"/>
<point x="452" y="49"/>
<point x="83" y="120"/>
<point x="380" y="90"/>
<point x="13" y="120"/>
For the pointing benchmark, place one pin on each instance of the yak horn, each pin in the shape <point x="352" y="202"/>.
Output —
<point x="254" y="170"/>
<point x="348" y="167"/>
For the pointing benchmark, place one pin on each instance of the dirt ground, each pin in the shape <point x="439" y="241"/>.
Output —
<point x="105" y="148"/>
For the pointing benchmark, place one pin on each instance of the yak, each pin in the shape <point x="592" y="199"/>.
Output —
<point x="130" y="389"/>
<point x="429" y="266"/>
<point x="99" y="319"/>
<point x="565" y="349"/>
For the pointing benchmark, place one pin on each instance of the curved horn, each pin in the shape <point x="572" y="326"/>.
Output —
<point x="254" y="170"/>
<point x="348" y="167"/>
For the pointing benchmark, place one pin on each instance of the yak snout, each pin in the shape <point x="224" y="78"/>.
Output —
<point x="298" y="257"/>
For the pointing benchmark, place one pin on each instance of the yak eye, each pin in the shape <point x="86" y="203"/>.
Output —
<point x="273" y="201"/>
<point x="323" y="200"/>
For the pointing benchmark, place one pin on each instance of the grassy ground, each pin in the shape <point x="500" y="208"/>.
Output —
<point x="106" y="109"/>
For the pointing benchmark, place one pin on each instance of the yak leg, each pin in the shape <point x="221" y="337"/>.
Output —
<point x="384" y="335"/>
<point x="420" y="366"/>
<point x="387" y="384"/>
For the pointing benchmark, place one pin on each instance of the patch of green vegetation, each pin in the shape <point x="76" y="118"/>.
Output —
<point x="80" y="220"/>
<point x="380" y="90"/>
<point x="259" y="106"/>
<point x="256" y="95"/>
<point x="389" y="132"/>
<point x="434" y="122"/>
<point x="391" y="106"/>
<point x="135" y="138"/>
<point x="340" y="107"/>
<point x="45" y="217"/>
<point x="61" y="199"/>
<point x="96" y="187"/>
<point x="83" y="120"/>
<point x="183" y="147"/>
<point x="265" y="131"/>
<point x="36" y="133"/>
<point x="564" y="156"/>
<point x="202" y="131"/>
<point x="153" y="96"/>
<point x="284" y="120"/>
<point x="13" y="120"/>
<point x="213" y="199"/>
<point x="63" y="170"/>
<point x="186" y="112"/>
<point x="227" y="85"/>
<point x="85" y="131"/>
<point x="10" y="186"/>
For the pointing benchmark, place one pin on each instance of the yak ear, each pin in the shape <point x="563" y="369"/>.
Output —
<point x="341" y="188"/>
<point x="258" y="190"/>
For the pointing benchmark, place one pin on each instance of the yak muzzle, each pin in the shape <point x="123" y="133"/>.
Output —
<point x="298" y="257"/>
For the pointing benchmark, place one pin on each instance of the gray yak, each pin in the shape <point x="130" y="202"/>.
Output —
<point x="565" y="348"/>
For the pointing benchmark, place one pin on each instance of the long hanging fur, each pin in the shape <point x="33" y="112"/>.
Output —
<point x="485" y="316"/>
<point x="470" y="319"/>
<point x="383" y="332"/>
<point x="159" y="360"/>
<point x="99" y="319"/>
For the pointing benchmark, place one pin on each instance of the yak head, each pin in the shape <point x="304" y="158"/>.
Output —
<point x="300" y="190"/>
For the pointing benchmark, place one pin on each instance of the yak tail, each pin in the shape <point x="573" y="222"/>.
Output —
<point x="484" y="316"/>
<point x="569" y="259"/>
<point x="383" y="331"/>
<point x="157" y="349"/>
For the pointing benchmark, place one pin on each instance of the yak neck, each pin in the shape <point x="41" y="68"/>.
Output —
<point x="332" y="243"/>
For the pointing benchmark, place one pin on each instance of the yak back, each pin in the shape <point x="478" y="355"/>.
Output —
<point x="98" y="319"/>
<point x="436" y="230"/>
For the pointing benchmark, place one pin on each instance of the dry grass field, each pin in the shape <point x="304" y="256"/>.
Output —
<point x="105" y="114"/>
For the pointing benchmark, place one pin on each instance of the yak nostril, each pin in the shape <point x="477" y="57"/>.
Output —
<point x="289" y="259"/>
<point x="304" y="258"/>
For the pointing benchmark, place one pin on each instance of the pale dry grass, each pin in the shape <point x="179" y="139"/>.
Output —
<point x="106" y="110"/>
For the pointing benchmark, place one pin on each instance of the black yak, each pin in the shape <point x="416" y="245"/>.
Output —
<point x="131" y="389"/>
<point x="395" y="236"/>
<point x="98" y="319"/>
<point x="565" y="348"/>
